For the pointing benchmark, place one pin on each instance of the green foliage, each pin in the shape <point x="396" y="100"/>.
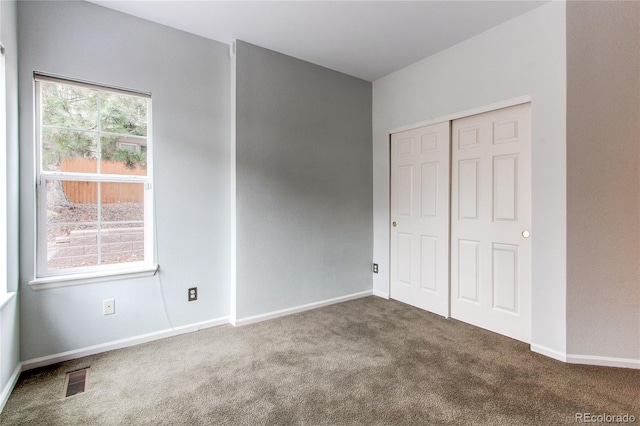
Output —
<point x="69" y="106"/>
<point x="131" y="159"/>
<point x="123" y="114"/>
<point x="60" y="144"/>
<point x="70" y="119"/>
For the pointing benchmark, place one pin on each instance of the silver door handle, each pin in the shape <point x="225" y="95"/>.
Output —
<point x="526" y="234"/>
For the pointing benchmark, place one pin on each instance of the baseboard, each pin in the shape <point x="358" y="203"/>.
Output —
<point x="381" y="294"/>
<point x="551" y="353"/>
<point x="301" y="308"/>
<point x="6" y="392"/>
<point x="119" y="344"/>
<point x="604" y="361"/>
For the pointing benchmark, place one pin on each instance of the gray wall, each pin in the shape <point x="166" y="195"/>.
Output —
<point x="189" y="79"/>
<point x="524" y="56"/>
<point x="9" y="331"/>
<point x="303" y="146"/>
<point x="603" y="186"/>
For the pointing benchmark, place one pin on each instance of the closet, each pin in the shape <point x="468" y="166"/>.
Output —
<point x="461" y="219"/>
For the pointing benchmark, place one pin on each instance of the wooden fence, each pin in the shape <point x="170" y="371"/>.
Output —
<point x="111" y="193"/>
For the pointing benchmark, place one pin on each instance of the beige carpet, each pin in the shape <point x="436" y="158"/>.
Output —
<point x="368" y="361"/>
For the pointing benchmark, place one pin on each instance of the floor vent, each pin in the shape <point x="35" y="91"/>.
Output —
<point x="76" y="382"/>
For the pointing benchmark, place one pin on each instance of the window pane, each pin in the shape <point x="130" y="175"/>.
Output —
<point x="75" y="228"/>
<point x="123" y="243"/>
<point x="123" y="222"/>
<point x="123" y="155"/>
<point x="71" y="246"/>
<point x="122" y="201"/>
<point x="72" y="202"/>
<point x="69" y="151"/>
<point x="123" y="114"/>
<point x="68" y="106"/>
<point x="71" y="224"/>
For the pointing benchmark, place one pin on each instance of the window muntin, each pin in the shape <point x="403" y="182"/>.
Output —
<point x="94" y="198"/>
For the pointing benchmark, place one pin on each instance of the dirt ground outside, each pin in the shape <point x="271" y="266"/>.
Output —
<point x="72" y="244"/>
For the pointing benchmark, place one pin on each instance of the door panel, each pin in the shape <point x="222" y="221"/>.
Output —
<point x="405" y="190"/>
<point x="505" y="188"/>
<point x="505" y="277"/>
<point x="468" y="270"/>
<point x="468" y="189"/>
<point x="429" y="185"/>
<point x="429" y="260"/>
<point x="420" y="209"/>
<point x="403" y="258"/>
<point x="491" y="205"/>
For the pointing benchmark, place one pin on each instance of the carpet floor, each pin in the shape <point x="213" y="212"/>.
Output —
<point x="364" y="362"/>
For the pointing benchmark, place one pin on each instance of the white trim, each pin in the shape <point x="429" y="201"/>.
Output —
<point x="551" y="353"/>
<point x="301" y="308"/>
<point x="122" y="343"/>
<point x="467" y="113"/>
<point x="378" y="293"/>
<point x="5" y="298"/>
<point x="604" y="361"/>
<point x="92" y="277"/>
<point x="8" y="388"/>
<point x="93" y="177"/>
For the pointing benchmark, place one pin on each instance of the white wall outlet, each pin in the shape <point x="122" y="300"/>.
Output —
<point x="109" y="306"/>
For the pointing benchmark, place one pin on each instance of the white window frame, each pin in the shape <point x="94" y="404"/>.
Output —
<point x="46" y="278"/>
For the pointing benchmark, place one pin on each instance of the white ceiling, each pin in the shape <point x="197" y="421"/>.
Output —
<point x="366" y="39"/>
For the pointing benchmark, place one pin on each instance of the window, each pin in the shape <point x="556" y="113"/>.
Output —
<point x="94" y="198"/>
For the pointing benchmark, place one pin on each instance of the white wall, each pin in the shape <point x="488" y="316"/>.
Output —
<point x="524" y="56"/>
<point x="603" y="181"/>
<point x="189" y="80"/>
<point x="9" y="320"/>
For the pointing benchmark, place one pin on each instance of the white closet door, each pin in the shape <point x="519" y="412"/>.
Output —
<point x="420" y="217"/>
<point x="491" y="221"/>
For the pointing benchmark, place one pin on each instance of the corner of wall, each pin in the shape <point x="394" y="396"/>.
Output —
<point x="232" y="179"/>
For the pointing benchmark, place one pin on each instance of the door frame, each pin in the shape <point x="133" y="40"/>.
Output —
<point x="462" y="114"/>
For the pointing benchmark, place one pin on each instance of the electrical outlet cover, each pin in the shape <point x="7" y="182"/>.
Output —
<point x="109" y="307"/>
<point x="193" y="294"/>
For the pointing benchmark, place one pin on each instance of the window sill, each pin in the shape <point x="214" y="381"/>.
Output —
<point x="5" y="298"/>
<point x="92" y="277"/>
